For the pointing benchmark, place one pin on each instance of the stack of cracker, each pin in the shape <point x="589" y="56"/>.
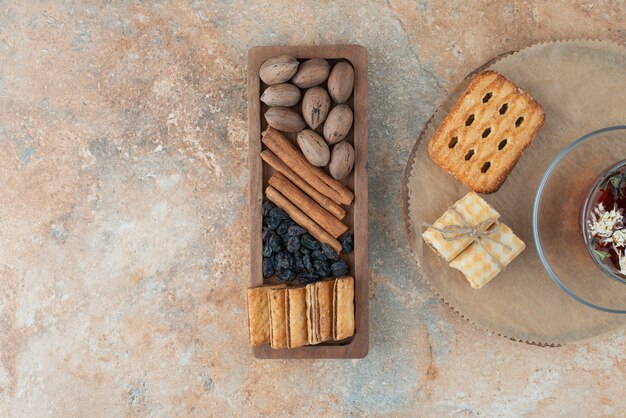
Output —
<point x="291" y="317"/>
<point x="480" y="257"/>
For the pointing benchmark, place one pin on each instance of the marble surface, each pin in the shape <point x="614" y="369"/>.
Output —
<point x="123" y="219"/>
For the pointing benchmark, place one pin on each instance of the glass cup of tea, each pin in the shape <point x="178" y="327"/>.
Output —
<point x="569" y="193"/>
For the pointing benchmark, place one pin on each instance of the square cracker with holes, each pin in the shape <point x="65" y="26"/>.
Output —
<point x="471" y="209"/>
<point x="482" y="261"/>
<point x="486" y="132"/>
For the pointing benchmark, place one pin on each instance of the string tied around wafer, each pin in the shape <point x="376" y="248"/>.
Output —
<point x="475" y="233"/>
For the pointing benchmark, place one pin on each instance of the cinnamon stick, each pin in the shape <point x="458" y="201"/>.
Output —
<point x="307" y="205"/>
<point x="301" y="218"/>
<point x="315" y="176"/>
<point x="270" y="158"/>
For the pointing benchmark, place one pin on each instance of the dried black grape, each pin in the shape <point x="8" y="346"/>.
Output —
<point x="272" y="223"/>
<point x="266" y="234"/>
<point x="329" y="252"/>
<point x="339" y="268"/>
<point x="268" y="267"/>
<point x="298" y="266"/>
<point x="288" y="222"/>
<point x="281" y="261"/>
<point x="278" y="213"/>
<point x="307" y="277"/>
<point x="310" y="242"/>
<point x="282" y="228"/>
<point x="275" y="262"/>
<point x="285" y="274"/>
<point x="284" y="238"/>
<point x="306" y="261"/>
<point x="318" y="255"/>
<point x="292" y="261"/>
<point x="293" y="244"/>
<point x="304" y="250"/>
<point x="275" y="242"/>
<point x="322" y="268"/>
<point x="347" y="243"/>
<point x="267" y="250"/>
<point x="296" y="230"/>
<point x="267" y="207"/>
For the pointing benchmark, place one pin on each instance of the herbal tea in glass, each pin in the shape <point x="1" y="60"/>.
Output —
<point x="604" y="226"/>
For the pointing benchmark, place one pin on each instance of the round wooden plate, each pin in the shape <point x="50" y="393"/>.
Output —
<point x="581" y="86"/>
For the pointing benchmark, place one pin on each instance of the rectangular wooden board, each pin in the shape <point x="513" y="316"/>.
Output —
<point x="356" y="218"/>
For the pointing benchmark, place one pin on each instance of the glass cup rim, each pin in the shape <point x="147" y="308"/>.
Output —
<point x="537" y="202"/>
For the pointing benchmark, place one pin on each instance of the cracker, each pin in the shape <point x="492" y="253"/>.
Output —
<point x="486" y="132"/>
<point x="259" y="314"/>
<point x="278" y="318"/>
<point x="312" y="314"/>
<point x="324" y="299"/>
<point x="297" y="334"/>
<point x="474" y="210"/>
<point x="479" y="263"/>
<point x="343" y="308"/>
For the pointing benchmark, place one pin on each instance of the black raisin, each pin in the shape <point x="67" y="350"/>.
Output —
<point x="267" y="207"/>
<point x="272" y="223"/>
<point x="284" y="238"/>
<point x="296" y="230"/>
<point x="306" y="261"/>
<point x="310" y="242"/>
<point x="293" y="245"/>
<point x="278" y="213"/>
<point x="288" y="222"/>
<point x="281" y="261"/>
<point x="275" y="242"/>
<point x="298" y="266"/>
<point x="329" y="252"/>
<point x="307" y="277"/>
<point x="285" y="274"/>
<point x="304" y="250"/>
<point x="347" y="243"/>
<point x="282" y="228"/>
<point x="321" y="268"/>
<point x="267" y="250"/>
<point x="318" y="255"/>
<point x="275" y="261"/>
<point x="266" y="234"/>
<point x="268" y="267"/>
<point x="292" y="261"/>
<point x="339" y="268"/>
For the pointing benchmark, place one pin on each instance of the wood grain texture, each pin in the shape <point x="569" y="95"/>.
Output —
<point x="356" y="214"/>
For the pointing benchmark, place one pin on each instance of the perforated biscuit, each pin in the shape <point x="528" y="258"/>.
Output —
<point x="486" y="132"/>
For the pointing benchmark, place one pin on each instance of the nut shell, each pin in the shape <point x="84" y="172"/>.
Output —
<point x="311" y="73"/>
<point x="313" y="147"/>
<point x="341" y="160"/>
<point x="338" y="123"/>
<point x="284" y="94"/>
<point x="315" y="106"/>
<point x="284" y="119"/>
<point x="278" y="70"/>
<point x="341" y="82"/>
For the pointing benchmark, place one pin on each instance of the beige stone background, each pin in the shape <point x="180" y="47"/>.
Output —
<point x="123" y="219"/>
